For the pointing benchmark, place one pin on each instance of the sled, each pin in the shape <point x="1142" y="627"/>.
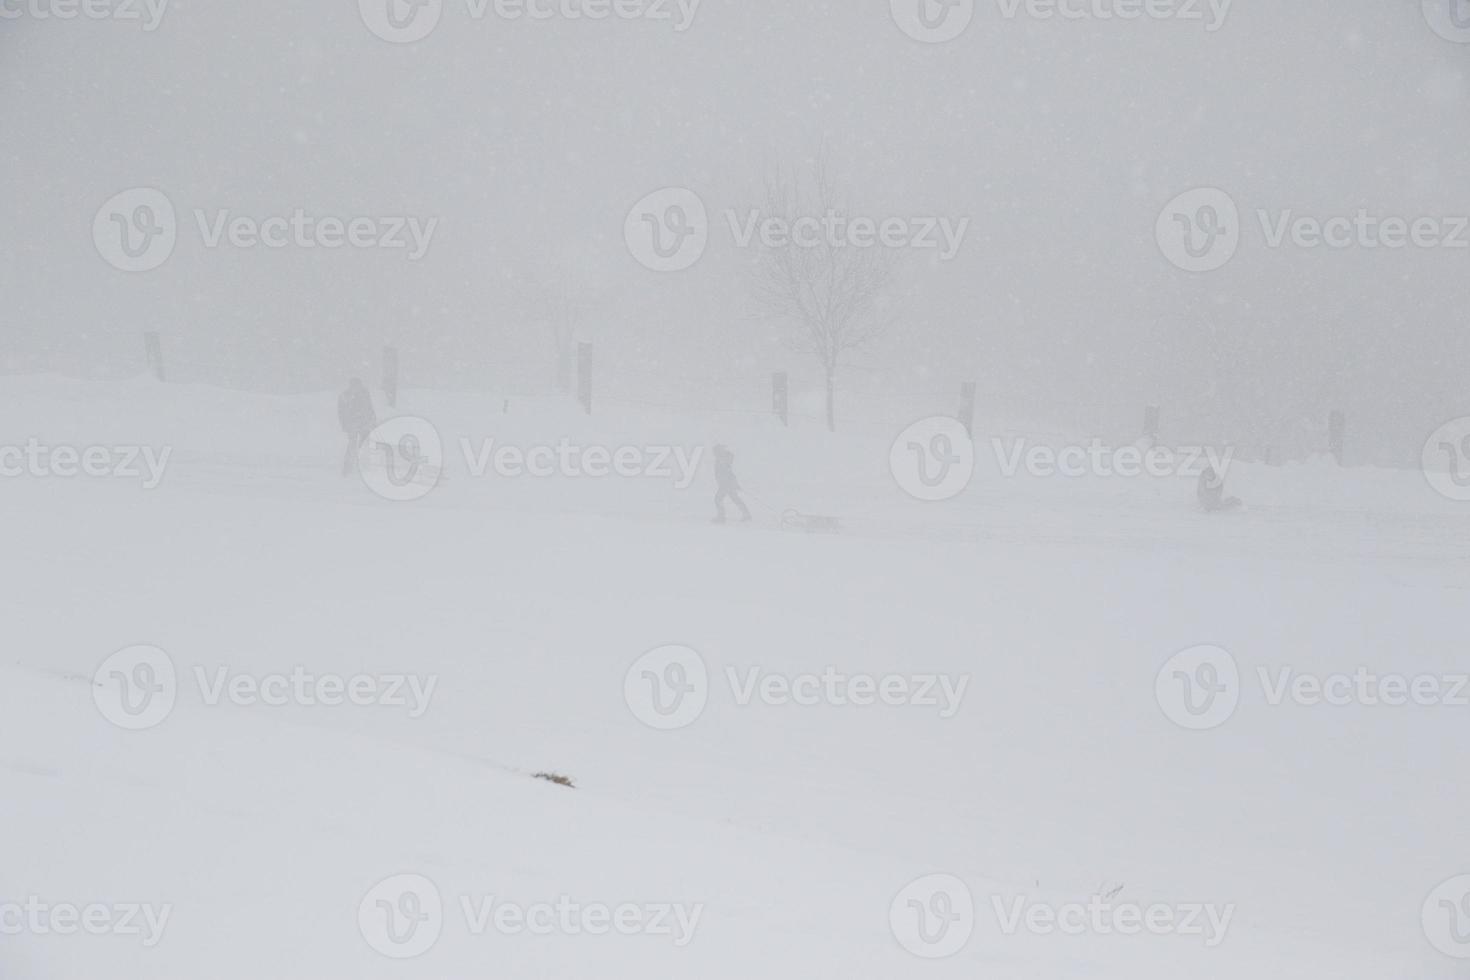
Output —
<point x="794" y="520"/>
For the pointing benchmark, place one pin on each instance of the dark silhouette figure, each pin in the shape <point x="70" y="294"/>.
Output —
<point x="728" y="485"/>
<point x="1211" y="491"/>
<point x="358" y="417"/>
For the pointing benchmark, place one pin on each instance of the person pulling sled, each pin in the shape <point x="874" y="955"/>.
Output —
<point x="358" y="418"/>
<point x="728" y="486"/>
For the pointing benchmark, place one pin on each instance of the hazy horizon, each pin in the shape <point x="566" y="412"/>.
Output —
<point x="1058" y="141"/>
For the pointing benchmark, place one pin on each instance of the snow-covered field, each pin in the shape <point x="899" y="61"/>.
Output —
<point x="761" y="839"/>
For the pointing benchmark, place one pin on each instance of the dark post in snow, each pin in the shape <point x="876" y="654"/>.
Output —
<point x="153" y="348"/>
<point x="781" y="396"/>
<point x="390" y="376"/>
<point x="1151" y="416"/>
<point x="1337" y="436"/>
<point x="967" y="407"/>
<point x="584" y="376"/>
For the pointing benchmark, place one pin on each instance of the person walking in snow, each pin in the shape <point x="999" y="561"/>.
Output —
<point x="358" y="418"/>
<point x="1211" y="493"/>
<point x="728" y="485"/>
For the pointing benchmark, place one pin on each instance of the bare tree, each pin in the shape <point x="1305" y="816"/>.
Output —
<point x="827" y="290"/>
<point x="559" y="301"/>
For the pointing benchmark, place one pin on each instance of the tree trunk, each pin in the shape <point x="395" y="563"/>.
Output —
<point x="564" y="369"/>
<point x="831" y="401"/>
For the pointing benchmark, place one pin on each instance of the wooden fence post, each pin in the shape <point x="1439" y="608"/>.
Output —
<point x="153" y="349"/>
<point x="1151" y="416"/>
<point x="967" y="407"/>
<point x="1337" y="436"/>
<point x="584" y="376"/>
<point x="390" y="376"/>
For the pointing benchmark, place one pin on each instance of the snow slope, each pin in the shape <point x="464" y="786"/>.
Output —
<point x="794" y="828"/>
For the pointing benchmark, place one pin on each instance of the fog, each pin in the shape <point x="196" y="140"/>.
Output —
<point x="734" y="488"/>
<point x="1060" y="140"/>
